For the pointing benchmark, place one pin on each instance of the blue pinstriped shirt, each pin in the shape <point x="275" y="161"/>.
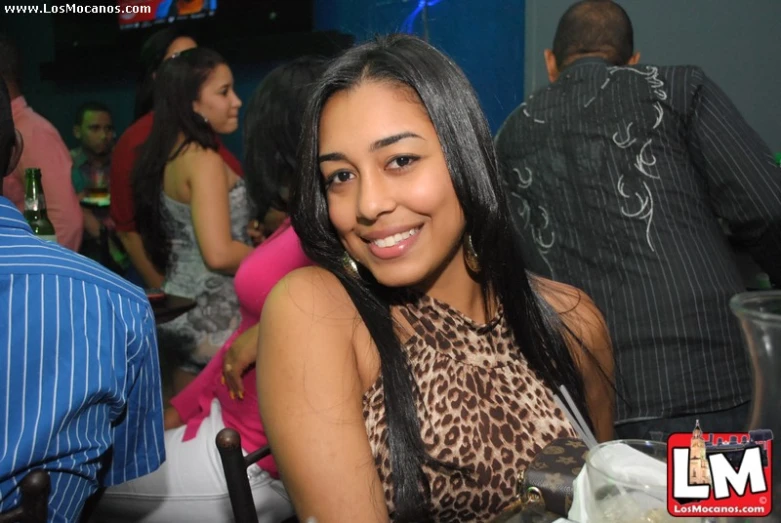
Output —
<point x="80" y="392"/>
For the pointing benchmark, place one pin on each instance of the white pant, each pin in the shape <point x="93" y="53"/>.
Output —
<point x="190" y="486"/>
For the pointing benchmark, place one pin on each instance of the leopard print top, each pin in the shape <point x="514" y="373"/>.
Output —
<point x="481" y="410"/>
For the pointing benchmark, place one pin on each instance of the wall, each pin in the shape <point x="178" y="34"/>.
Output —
<point x="59" y="101"/>
<point x="485" y="38"/>
<point x="34" y="35"/>
<point x="737" y="44"/>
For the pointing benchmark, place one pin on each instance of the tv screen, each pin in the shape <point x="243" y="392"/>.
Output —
<point x="139" y="14"/>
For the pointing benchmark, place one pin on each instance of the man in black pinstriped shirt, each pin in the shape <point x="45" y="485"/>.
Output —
<point x="619" y="174"/>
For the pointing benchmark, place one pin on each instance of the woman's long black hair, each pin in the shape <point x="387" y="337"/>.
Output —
<point x="152" y="55"/>
<point x="466" y="141"/>
<point x="272" y="129"/>
<point x="178" y="85"/>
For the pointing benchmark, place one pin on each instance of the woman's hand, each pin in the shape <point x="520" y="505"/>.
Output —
<point x="238" y="359"/>
<point x="171" y="418"/>
<point x="255" y="232"/>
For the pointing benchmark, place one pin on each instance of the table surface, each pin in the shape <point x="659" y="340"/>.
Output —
<point x="171" y="307"/>
<point x="516" y="513"/>
<point x="530" y="517"/>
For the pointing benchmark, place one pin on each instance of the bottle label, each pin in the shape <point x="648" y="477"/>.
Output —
<point x="33" y="204"/>
<point x="48" y="237"/>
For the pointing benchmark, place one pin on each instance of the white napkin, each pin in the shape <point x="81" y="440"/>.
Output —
<point x="631" y="462"/>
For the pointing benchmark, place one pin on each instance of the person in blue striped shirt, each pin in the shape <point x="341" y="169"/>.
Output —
<point x="80" y="392"/>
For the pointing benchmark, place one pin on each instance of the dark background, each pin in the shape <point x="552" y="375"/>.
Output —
<point x="70" y="59"/>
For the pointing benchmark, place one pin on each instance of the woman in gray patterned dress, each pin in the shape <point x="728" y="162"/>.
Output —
<point x="191" y="208"/>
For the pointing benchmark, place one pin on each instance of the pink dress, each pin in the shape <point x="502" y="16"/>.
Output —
<point x="280" y="254"/>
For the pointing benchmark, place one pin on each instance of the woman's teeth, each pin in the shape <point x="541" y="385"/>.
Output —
<point x="390" y="241"/>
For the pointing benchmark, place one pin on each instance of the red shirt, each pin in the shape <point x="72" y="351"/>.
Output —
<point x="122" y="159"/>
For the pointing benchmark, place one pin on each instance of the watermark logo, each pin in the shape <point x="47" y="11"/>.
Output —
<point x="719" y="474"/>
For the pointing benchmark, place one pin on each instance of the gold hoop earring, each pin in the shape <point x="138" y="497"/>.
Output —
<point x="350" y="265"/>
<point x="470" y="255"/>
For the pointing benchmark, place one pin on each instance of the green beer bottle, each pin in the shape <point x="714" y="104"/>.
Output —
<point x="35" y="205"/>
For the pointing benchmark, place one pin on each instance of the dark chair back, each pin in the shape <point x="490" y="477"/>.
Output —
<point x="34" y="506"/>
<point x="235" y="464"/>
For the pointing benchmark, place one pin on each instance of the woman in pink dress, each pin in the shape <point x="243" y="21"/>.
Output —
<point x="190" y="486"/>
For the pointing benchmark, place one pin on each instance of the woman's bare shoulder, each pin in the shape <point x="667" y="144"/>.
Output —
<point x="311" y="292"/>
<point x="196" y="155"/>
<point x="587" y="336"/>
<point x="563" y="298"/>
<point x="198" y="164"/>
<point x="575" y="308"/>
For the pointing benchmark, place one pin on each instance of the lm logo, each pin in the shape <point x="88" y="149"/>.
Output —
<point x="719" y="473"/>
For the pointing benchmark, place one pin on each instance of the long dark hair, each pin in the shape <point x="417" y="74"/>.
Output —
<point x="178" y="85"/>
<point x="466" y="142"/>
<point x="272" y="129"/>
<point x="152" y="54"/>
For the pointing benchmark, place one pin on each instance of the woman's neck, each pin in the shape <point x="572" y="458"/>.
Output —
<point x="455" y="286"/>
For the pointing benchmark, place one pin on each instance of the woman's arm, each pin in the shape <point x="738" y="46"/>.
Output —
<point x="134" y="246"/>
<point x="310" y="394"/>
<point x="241" y="355"/>
<point x="588" y="338"/>
<point x="210" y="207"/>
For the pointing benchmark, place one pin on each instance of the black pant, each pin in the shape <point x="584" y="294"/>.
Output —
<point x="734" y="419"/>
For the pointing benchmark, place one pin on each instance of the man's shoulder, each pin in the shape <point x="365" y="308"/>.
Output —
<point x="682" y="68"/>
<point x="519" y="118"/>
<point x="35" y="125"/>
<point x="78" y="157"/>
<point x="665" y="73"/>
<point x="27" y="255"/>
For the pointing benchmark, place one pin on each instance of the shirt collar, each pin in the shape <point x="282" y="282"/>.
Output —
<point x="10" y="217"/>
<point x="78" y="156"/>
<point x="586" y="60"/>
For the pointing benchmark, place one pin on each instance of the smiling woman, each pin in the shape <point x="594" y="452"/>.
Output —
<point x="392" y="202"/>
<point x="411" y="376"/>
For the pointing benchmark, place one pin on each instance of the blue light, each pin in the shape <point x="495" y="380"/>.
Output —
<point x="409" y="22"/>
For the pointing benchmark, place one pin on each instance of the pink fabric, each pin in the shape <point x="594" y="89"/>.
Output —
<point x="257" y="275"/>
<point x="44" y="148"/>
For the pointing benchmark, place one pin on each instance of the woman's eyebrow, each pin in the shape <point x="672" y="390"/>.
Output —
<point x="379" y="144"/>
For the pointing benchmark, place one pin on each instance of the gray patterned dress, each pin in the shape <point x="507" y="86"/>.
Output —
<point x="196" y="336"/>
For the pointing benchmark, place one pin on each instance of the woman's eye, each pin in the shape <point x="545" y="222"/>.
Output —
<point x="339" y="177"/>
<point x="400" y="162"/>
